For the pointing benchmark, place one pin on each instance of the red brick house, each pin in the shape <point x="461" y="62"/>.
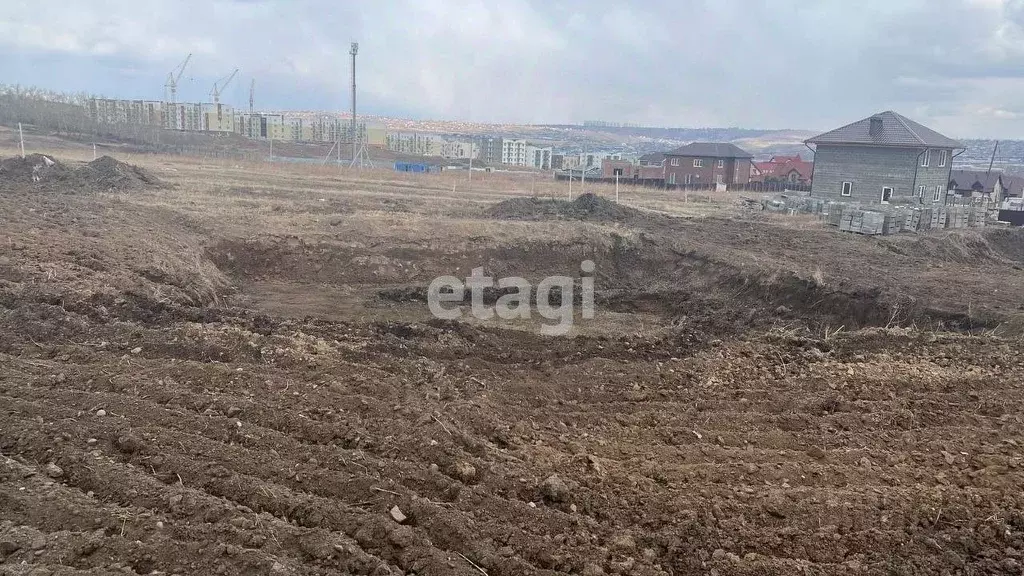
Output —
<point x="650" y="169"/>
<point x="707" y="164"/>
<point x="790" y="169"/>
<point x="610" y="168"/>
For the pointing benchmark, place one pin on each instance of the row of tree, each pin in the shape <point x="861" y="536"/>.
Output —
<point x="67" y="115"/>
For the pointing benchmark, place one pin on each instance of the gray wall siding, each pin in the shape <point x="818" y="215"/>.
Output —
<point x="868" y="168"/>
<point x="934" y="175"/>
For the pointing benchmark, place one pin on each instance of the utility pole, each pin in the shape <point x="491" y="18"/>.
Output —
<point x="21" y="138"/>
<point x="616" y="187"/>
<point x="359" y="155"/>
<point x="353" y="52"/>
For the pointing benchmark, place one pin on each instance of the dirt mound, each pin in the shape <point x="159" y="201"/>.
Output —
<point x="104" y="174"/>
<point x="1008" y="243"/>
<point x="32" y="168"/>
<point x="108" y="174"/>
<point x="967" y="246"/>
<point x="586" y="207"/>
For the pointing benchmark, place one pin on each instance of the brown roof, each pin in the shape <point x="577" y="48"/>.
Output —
<point x="897" y="130"/>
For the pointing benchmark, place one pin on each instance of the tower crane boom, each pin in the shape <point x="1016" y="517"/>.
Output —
<point x="171" y="86"/>
<point x="220" y="85"/>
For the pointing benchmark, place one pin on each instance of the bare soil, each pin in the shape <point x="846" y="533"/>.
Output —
<point x="104" y="174"/>
<point x="233" y="373"/>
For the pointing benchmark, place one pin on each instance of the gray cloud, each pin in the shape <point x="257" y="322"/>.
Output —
<point x="953" y="64"/>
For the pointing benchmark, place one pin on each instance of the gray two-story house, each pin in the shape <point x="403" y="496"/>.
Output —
<point x="883" y="158"/>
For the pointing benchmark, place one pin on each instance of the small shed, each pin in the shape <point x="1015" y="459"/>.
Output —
<point x="417" y="167"/>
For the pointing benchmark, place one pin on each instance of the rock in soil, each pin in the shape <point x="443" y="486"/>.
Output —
<point x="554" y="489"/>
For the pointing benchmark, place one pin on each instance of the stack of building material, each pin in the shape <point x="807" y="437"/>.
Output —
<point x="872" y="223"/>
<point x="977" y="217"/>
<point x="939" y="217"/>
<point x="925" y="223"/>
<point x="835" y="214"/>
<point x="851" y="220"/>
<point x="957" y="218"/>
<point x="894" y="222"/>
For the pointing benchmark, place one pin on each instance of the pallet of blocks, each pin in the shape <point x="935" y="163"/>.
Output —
<point x="834" y="215"/>
<point x="976" y="217"/>
<point x="938" y="218"/>
<point x="925" y="224"/>
<point x="957" y="218"/>
<point x="910" y="224"/>
<point x="852" y="220"/>
<point x="872" y="223"/>
<point x="894" y="222"/>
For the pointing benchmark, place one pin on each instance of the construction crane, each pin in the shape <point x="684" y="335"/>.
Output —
<point x="252" y="90"/>
<point x="173" y="76"/>
<point x="220" y="85"/>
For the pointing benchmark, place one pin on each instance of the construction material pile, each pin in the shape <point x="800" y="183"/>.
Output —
<point x="32" y="168"/>
<point x="892" y="220"/>
<point x="585" y="207"/>
<point x="105" y="174"/>
<point x="109" y="175"/>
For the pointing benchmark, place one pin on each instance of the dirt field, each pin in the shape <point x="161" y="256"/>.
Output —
<point x="230" y="369"/>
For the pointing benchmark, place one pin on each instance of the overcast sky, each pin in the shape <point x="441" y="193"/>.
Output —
<point x="956" y="65"/>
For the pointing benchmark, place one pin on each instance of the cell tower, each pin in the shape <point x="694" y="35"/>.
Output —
<point x="359" y="156"/>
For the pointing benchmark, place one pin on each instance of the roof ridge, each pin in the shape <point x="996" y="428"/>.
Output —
<point x="837" y="129"/>
<point x="903" y="121"/>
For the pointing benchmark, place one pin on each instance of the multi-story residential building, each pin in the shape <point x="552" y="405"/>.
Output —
<point x="219" y="117"/>
<point x="142" y="112"/>
<point x="459" y="149"/>
<point x="513" y="152"/>
<point x="490" y="149"/>
<point x="706" y="164"/>
<point x="415" y="143"/>
<point x="880" y="158"/>
<point x="184" y="116"/>
<point x="538" y="157"/>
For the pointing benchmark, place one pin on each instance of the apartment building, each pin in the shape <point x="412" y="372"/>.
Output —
<point x="513" y="152"/>
<point x="490" y="149"/>
<point x="538" y="157"/>
<point x="185" y="116"/>
<point x="142" y="112"/>
<point x="459" y="149"/>
<point x="415" y="143"/>
<point x="218" y="117"/>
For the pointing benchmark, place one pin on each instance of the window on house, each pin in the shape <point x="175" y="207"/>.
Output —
<point x="721" y="163"/>
<point x="938" y="193"/>
<point x="847" y="189"/>
<point x="675" y="162"/>
<point x="886" y="194"/>
<point x="920" y="191"/>
<point x="672" y="178"/>
<point x="942" y="158"/>
<point x="698" y="162"/>
<point x="926" y="158"/>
